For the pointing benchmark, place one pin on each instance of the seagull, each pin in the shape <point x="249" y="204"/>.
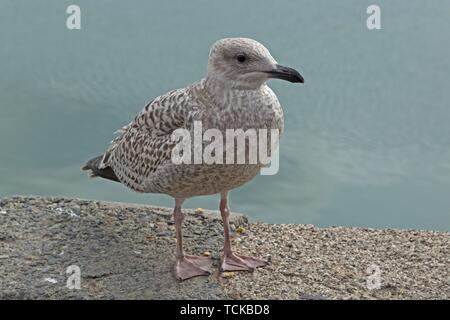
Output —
<point x="233" y="95"/>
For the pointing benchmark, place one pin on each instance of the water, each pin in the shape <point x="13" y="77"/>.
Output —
<point x="367" y="138"/>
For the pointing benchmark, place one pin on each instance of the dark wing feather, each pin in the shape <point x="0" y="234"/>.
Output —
<point x="106" y="173"/>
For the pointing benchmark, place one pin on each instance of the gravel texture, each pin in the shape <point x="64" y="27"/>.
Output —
<point x="342" y="263"/>
<point x="126" y="251"/>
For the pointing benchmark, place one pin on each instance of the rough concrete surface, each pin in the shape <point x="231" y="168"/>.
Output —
<point x="126" y="251"/>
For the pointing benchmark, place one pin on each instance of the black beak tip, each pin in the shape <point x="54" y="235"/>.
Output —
<point x="296" y="76"/>
<point x="300" y="79"/>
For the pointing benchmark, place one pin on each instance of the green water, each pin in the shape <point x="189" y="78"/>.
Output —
<point x="367" y="138"/>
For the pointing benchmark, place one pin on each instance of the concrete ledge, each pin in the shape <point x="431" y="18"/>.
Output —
<point x="126" y="251"/>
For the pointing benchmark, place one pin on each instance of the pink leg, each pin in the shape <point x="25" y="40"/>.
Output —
<point x="187" y="266"/>
<point x="232" y="261"/>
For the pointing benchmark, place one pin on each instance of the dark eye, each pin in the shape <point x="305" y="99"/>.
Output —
<point x="241" y="58"/>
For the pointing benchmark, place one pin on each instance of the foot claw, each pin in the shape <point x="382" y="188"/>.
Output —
<point x="238" y="262"/>
<point x="192" y="266"/>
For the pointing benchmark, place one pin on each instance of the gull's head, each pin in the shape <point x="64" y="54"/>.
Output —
<point x="246" y="63"/>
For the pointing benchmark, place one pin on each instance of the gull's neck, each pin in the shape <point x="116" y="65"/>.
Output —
<point x="217" y="84"/>
<point x="220" y="94"/>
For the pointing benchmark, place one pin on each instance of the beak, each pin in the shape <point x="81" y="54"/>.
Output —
<point x="285" y="73"/>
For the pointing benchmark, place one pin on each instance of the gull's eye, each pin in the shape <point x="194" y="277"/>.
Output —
<point x="241" y="58"/>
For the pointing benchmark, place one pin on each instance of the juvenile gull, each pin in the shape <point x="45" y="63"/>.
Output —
<point x="233" y="95"/>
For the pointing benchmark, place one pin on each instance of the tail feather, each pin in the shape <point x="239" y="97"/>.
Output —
<point x="95" y="171"/>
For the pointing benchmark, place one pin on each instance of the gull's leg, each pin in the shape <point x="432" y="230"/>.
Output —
<point x="187" y="266"/>
<point x="232" y="261"/>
